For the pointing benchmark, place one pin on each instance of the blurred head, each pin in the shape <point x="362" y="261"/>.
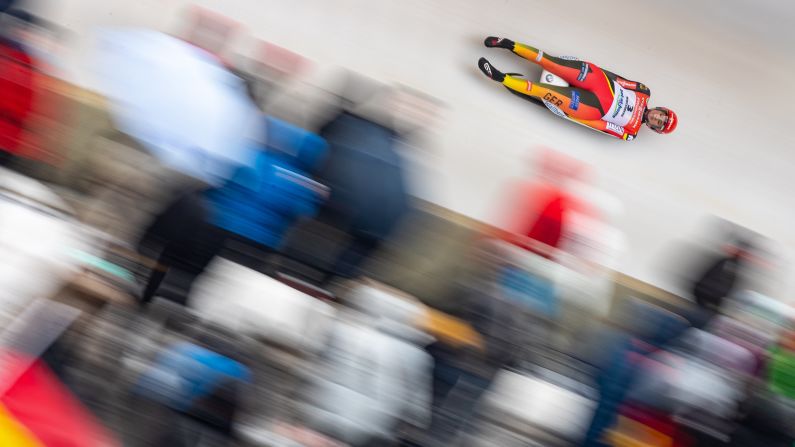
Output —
<point x="355" y="89"/>
<point x="249" y="84"/>
<point x="210" y="30"/>
<point x="23" y="24"/>
<point x="6" y="4"/>
<point x="739" y="247"/>
<point x="746" y="251"/>
<point x="14" y="24"/>
<point x="661" y="120"/>
<point x="558" y="167"/>
<point x="38" y="37"/>
<point x="787" y="340"/>
<point x="412" y="110"/>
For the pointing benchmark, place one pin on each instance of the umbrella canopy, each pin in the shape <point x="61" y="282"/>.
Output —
<point x="179" y="101"/>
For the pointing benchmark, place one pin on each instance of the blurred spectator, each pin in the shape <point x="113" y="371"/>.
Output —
<point x="374" y="374"/>
<point x="538" y="209"/>
<point x="700" y="381"/>
<point x="33" y="126"/>
<point x="646" y="329"/>
<point x="273" y="67"/>
<point x="368" y="193"/>
<point x="260" y="203"/>
<point x="721" y="278"/>
<point x="183" y="241"/>
<point x="462" y="374"/>
<point x="769" y="412"/>
<point x="782" y="366"/>
<point x="366" y="176"/>
<point x="199" y="380"/>
<point x="17" y="81"/>
<point x="210" y="30"/>
<point x="256" y="206"/>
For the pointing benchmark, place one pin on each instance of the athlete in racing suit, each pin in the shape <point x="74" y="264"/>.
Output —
<point x="595" y="97"/>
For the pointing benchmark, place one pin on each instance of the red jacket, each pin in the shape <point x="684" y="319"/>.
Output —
<point x="16" y="94"/>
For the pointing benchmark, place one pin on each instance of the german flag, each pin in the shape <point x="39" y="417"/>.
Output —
<point x="37" y="410"/>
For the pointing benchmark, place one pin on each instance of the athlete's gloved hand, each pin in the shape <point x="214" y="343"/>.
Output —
<point x="498" y="42"/>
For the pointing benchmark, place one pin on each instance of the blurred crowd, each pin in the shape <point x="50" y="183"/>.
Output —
<point x="239" y="260"/>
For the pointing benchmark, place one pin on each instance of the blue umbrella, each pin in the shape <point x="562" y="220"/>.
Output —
<point x="179" y="101"/>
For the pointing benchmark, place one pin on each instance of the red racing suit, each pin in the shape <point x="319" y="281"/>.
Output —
<point x="595" y="97"/>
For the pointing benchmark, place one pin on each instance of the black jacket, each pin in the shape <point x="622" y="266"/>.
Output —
<point x="718" y="281"/>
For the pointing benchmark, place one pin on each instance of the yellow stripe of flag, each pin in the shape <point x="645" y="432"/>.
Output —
<point x="12" y="433"/>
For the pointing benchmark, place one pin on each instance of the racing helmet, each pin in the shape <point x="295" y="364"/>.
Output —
<point x="671" y="121"/>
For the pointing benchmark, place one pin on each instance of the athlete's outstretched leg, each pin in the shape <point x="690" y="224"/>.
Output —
<point x="575" y="72"/>
<point x="574" y="102"/>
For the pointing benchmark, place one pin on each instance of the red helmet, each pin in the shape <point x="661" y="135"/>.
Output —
<point x="670" y="123"/>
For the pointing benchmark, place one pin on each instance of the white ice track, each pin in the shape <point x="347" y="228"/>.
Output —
<point x="724" y="65"/>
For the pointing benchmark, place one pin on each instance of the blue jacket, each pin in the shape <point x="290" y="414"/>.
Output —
<point x="185" y="372"/>
<point x="261" y="202"/>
